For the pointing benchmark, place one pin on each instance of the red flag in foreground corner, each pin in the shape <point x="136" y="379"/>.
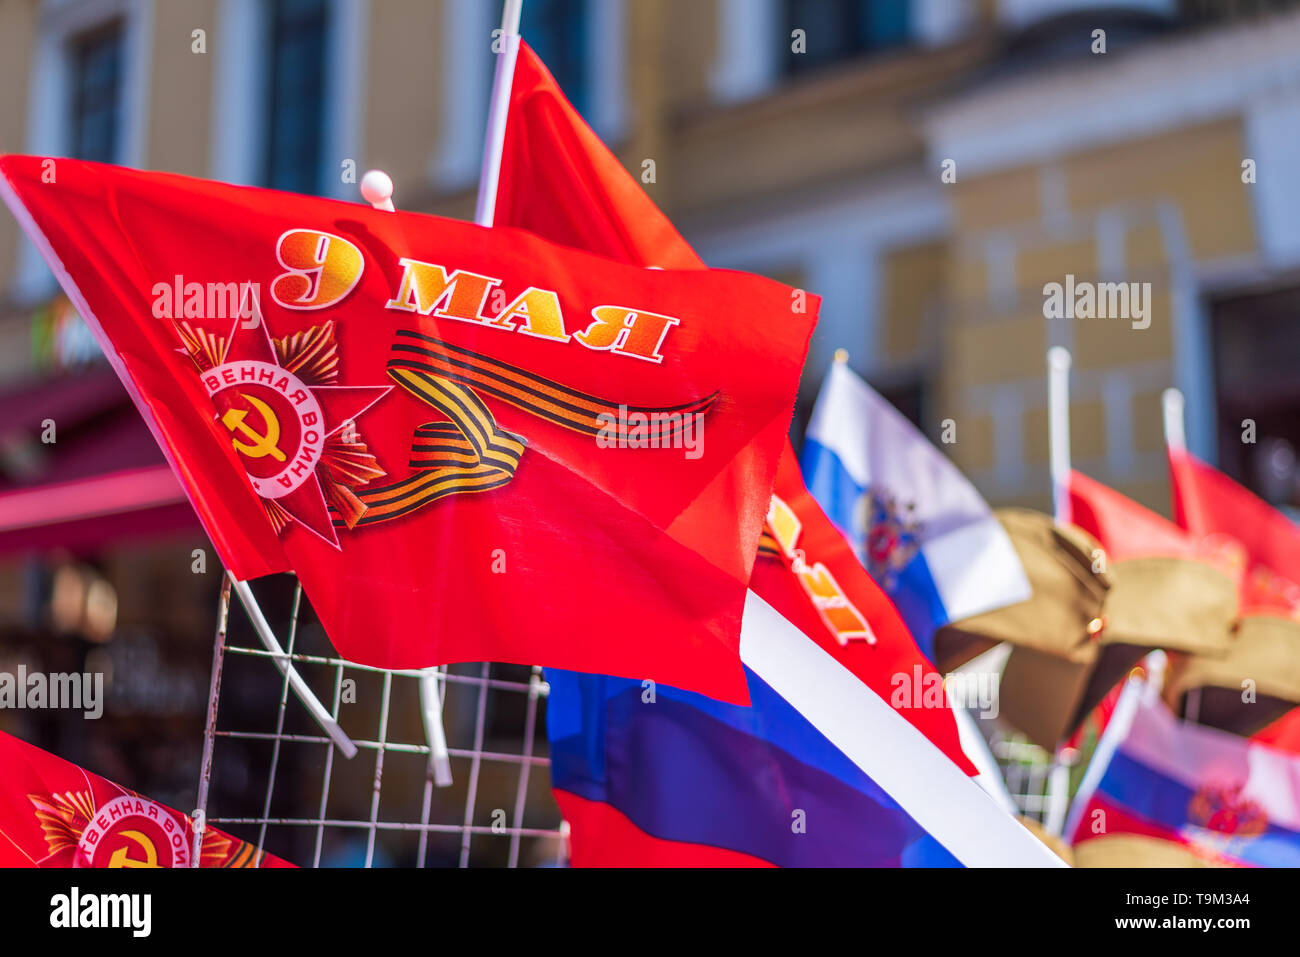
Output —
<point x="55" y="814"/>
<point x="469" y="444"/>
<point x="559" y="180"/>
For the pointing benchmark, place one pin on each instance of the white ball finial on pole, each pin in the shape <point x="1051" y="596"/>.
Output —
<point x="1058" y="429"/>
<point x="377" y="190"/>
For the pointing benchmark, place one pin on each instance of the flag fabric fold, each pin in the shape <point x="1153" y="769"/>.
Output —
<point x="917" y="524"/>
<point x="55" y="814"/>
<point x="441" y="428"/>
<point x="560" y="181"/>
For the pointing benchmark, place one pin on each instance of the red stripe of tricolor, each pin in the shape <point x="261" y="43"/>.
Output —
<point x="610" y="839"/>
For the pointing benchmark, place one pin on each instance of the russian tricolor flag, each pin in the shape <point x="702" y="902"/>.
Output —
<point x="917" y="523"/>
<point x="1222" y="796"/>
<point x="819" y="771"/>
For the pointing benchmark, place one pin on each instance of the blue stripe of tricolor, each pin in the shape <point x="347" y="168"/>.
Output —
<point x="687" y="768"/>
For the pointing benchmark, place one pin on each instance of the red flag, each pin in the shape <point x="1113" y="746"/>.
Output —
<point x="808" y="572"/>
<point x="1214" y="508"/>
<point x="559" y="180"/>
<point x="469" y="444"/>
<point x="55" y="814"/>
<point x="1128" y="530"/>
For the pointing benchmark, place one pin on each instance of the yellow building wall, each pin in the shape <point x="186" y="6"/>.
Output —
<point x="401" y="125"/>
<point x="1190" y="176"/>
<point x="180" y="88"/>
<point x="17" y="30"/>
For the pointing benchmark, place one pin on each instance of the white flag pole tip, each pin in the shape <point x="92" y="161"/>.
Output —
<point x="300" y="687"/>
<point x="1058" y="429"/>
<point x="431" y="710"/>
<point x="1174" y="407"/>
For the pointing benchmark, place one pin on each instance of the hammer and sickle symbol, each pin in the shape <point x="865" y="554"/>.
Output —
<point x="263" y="445"/>
<point x="120" y="857"/>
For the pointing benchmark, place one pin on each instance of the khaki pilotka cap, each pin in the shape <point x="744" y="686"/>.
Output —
<point x="1052" y="842"/>
<point x="1084" y="629"/>
<point x="1266" y="651"/>
<point x="1137" y="850"/>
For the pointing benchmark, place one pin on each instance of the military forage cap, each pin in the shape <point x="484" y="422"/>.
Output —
<point x="1088" y="622"/>
<point x="1138" y="850"/>
<point x="1264" y="657"/>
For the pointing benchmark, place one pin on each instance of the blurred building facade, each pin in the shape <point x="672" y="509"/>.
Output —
<point x="927" y="166"/>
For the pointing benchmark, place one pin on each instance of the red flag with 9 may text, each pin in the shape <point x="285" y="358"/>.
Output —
<point x="469" y="444"/>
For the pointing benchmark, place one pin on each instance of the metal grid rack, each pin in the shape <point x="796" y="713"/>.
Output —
<point x="414" y="794"/>
<point x="1027" y="770"/>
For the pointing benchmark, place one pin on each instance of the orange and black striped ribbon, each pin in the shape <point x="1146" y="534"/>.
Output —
<point x="533" y="393"/>
<point x="245" y="855"/>
<point x="469" y="452"/>
<point x="768" y="547"/>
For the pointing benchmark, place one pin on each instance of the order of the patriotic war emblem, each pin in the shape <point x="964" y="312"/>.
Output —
<point x="293" y="429"/>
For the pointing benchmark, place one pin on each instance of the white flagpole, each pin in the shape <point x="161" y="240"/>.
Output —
<point x="498" y="110"/>
<point x="300" y="687"/>
<point x="1173" y="404"/>
<point x="434" y="733"/>
<point x="1058" y="429"/>
<point x="1175" y="432"/>
<point x="1058" y="441"/>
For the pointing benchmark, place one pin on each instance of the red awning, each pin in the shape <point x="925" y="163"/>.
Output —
<point x="102" y="482"/>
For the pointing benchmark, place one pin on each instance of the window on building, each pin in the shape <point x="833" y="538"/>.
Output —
<point x="296" y="98"/>
<point x="835" y="30"/>
<point x="97" y="93"/>
<point x="557" y="32"/>
<point x="1255" y="343"/>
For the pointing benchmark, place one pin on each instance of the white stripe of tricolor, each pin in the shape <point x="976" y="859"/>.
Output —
<point x="936" y="793"/>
